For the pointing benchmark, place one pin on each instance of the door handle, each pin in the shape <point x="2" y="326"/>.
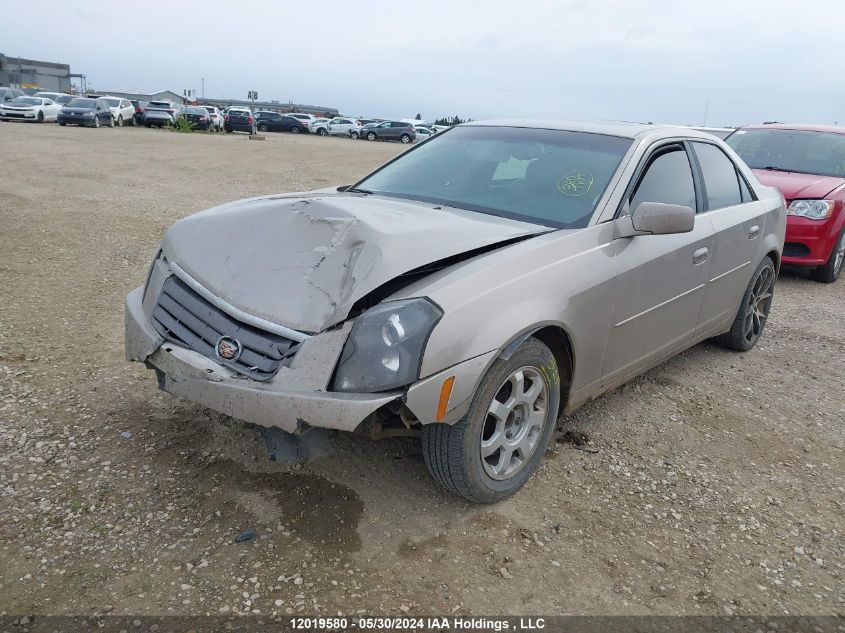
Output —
<point x="753" y="232"/>
<point x="700" y="256"/>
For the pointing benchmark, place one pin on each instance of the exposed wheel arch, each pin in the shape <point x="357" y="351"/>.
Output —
<point x="557" y="339"/>
<point x="775" y="257"/>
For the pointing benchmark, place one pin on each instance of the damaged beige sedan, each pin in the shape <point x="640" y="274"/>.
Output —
<point x="468" y="292"/>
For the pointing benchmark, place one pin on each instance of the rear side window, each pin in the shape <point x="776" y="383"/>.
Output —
<point x="721" y="182"/>
<point x="668" y="179"/>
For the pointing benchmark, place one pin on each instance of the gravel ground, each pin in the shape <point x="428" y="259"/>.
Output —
<point x="711" y="485"/>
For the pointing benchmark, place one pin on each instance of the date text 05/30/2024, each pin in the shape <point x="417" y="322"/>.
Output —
<point x="421" y="624"/>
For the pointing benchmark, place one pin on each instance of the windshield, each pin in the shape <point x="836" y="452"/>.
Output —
<point x="112" y="102"/>
<point x="27" y="101"/>
<point x="821" y="153"/>
<point x="81" y="103"/>
<point x="549" y="177"/>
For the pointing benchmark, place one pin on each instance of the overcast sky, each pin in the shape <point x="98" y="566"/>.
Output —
<point x="643" y="60"/>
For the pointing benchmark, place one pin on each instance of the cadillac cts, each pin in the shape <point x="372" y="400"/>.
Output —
<point x="466" y="292"/>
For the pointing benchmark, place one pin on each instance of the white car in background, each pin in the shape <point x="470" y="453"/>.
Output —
<point x="37" y="109"/>
<point x="340" y="126"/>
<point x="121" y="109"/>
<point x="423" y="133"/>
<point x="316" y="124"/>
<point x="216" y="117"/>
<point x="307" y="119"/>
<point x="61" y="98"/>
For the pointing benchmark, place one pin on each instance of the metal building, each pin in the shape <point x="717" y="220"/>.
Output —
<point x="29" y="73"/>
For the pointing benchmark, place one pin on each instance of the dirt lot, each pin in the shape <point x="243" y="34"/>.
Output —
<point x="712" y="485"/>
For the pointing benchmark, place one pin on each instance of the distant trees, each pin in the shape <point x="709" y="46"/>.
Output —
<point x="455" y="120"/>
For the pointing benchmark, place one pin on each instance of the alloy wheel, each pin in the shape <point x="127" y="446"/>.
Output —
<point x="514" y="423"/>
<point x="759" y="303"/>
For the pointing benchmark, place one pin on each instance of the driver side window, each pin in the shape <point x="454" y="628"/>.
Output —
<point x="667" y="179"/>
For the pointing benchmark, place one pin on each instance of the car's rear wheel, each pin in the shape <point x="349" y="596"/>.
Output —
<point x="492" y="451"/>
<point x="830" y="271"/>
<point x="405" y="138"/>
<point x="753" y="312"/>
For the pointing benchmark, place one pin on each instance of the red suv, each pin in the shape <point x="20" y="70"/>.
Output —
<point x="807" y="164"/>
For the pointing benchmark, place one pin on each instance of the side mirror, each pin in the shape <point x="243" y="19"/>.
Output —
<point x="656" y="218"/>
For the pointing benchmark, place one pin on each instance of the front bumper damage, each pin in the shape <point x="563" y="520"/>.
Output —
<point x="297" y="397"/>
<point x="294" y="400"/>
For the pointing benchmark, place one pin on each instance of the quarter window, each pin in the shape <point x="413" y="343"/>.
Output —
<point x="720" y="178"/>
<point x="668" y="179"/>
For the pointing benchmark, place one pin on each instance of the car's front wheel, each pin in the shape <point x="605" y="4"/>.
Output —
<point x="354" y="136"/>
<point x="262" y="127"/>
<point x="96" y="121"/>
<point x="492" y="451"/>
<point x="119" y="120"/>
<point x="830" y="271"/>
<point x="40" y="117"/>
<point x="371" y="136"/>
<point x="322" y="132"/>
<point x="294" y="130"/>
<point x="753" y="312"/>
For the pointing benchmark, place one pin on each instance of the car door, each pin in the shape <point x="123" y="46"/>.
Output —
<point x="737" y="219"/>
<point x="661" y="279"/>
<point x="51" y="109"/>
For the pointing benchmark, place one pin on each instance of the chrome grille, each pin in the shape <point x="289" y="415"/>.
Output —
<point x="184" y="317"/>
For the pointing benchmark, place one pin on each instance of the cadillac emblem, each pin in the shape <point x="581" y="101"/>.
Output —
<point x="228" y="348"/>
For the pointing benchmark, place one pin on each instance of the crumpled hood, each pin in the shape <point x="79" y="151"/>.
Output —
<point x="795" y="186"/>
<point x="303" y="261"/>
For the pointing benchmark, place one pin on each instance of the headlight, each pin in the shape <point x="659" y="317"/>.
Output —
<point x="812" y="209"/>
<point x="385" y="346"/>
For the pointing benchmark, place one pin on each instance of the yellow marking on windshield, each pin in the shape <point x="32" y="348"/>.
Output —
<point x="575" y="183"/>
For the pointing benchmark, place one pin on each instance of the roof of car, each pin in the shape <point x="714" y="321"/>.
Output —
<point x="802" y="127"/>
<point x="624" y="129"/>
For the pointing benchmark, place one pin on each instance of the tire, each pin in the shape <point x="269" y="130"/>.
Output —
<point x="354" y="136"/>
<point x="262" y="128"/>
<point x="453" y="454"/>
<point x="96" y="121"/>
<point x="294" y="130"/>
<point x="147" y="125"/>
<point x="40" y="117"/>
<point x="119" y="120"/>
<point x="322" y="132"/>
<point x="753" y="310"/>
<point x="405" y="138"/>
<point x="111" y="121"/>
<point x="830" y="271"/>
<point x="62" y="123"/>
<point x="371" y="136"/>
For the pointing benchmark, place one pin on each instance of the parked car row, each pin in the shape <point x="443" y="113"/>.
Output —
<point x="47" y="106"/>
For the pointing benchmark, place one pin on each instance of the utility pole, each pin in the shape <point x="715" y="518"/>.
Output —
<point x="203" y="88"/>
<point x="706" y="111"/>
